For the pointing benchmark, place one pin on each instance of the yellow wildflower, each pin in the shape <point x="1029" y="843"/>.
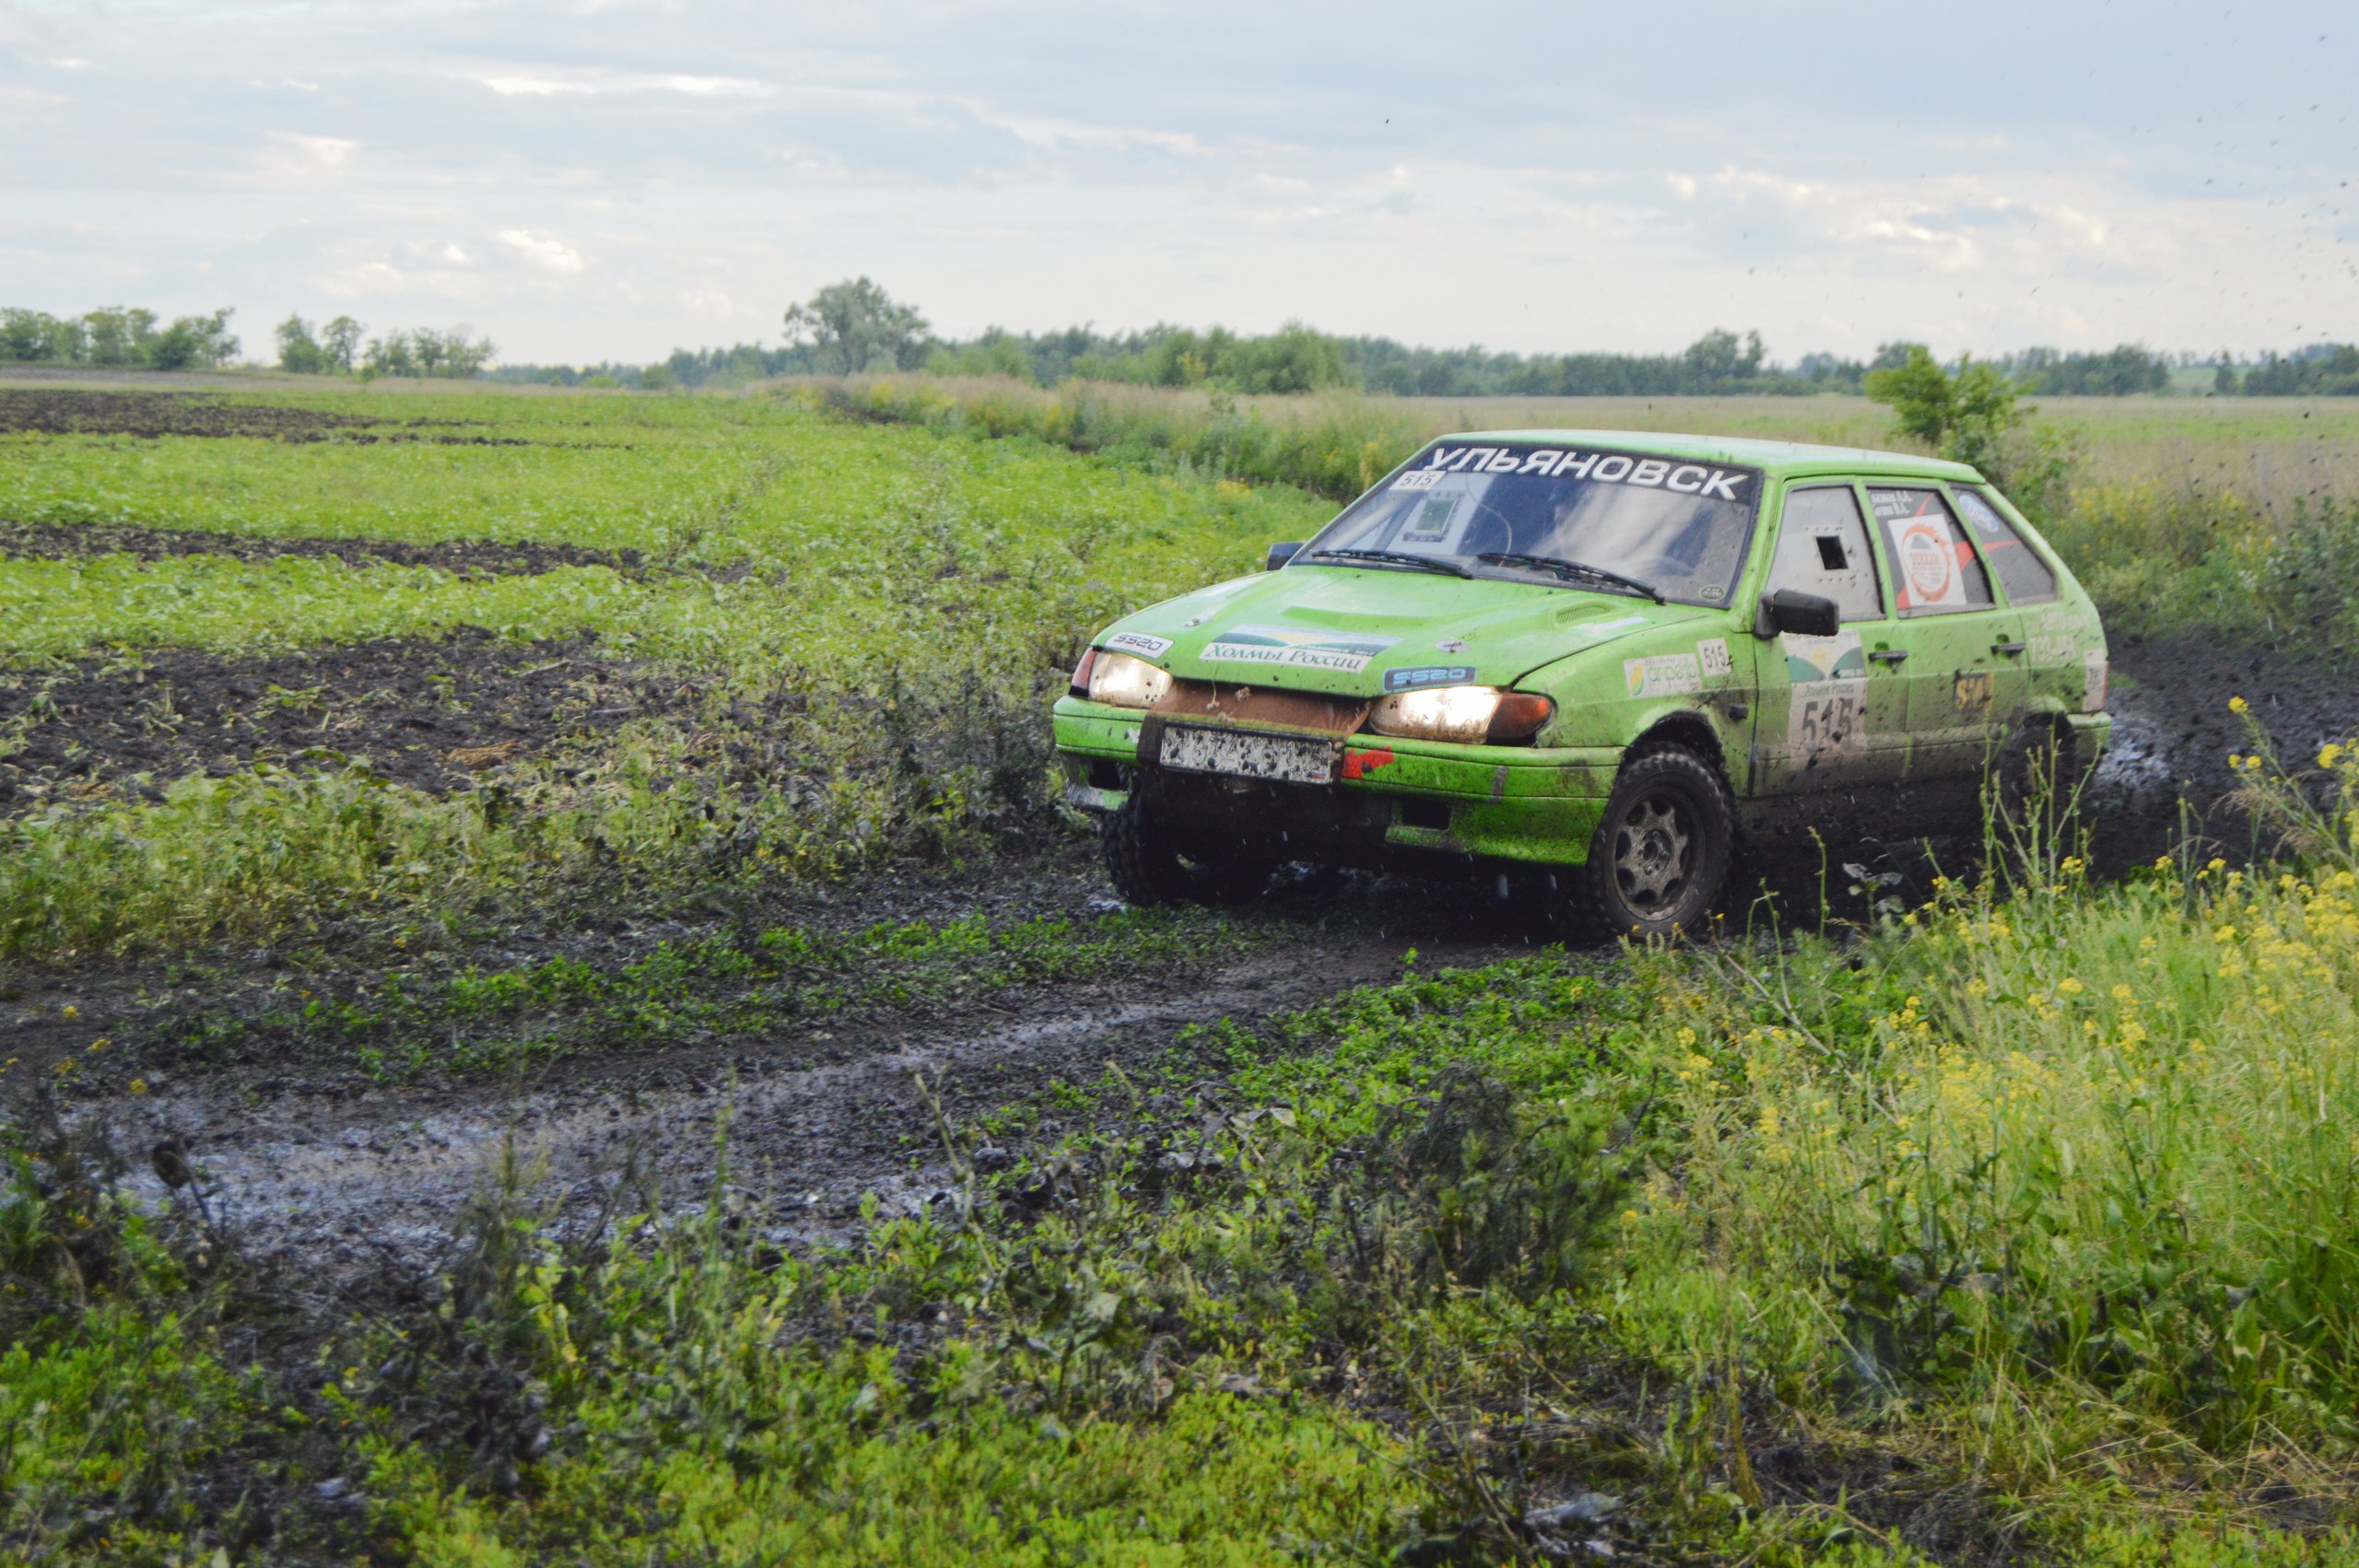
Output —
<point x="2238" y="705"/>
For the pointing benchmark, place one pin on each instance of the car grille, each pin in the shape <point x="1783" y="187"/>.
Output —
<point x="1253" y="705"/>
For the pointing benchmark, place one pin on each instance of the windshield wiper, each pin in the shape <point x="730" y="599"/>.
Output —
<point x="1396" y="557"/>
<point x="1563" y="567"/>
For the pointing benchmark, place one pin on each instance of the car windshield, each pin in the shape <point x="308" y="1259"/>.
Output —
<point x="1530" y="511"/>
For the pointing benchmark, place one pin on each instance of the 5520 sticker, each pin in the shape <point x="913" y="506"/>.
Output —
<point x="1140" y="643"/>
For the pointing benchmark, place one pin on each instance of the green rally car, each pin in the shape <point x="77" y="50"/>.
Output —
<point x="1598" y="654"/>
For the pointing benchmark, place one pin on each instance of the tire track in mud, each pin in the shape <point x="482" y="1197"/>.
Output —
<point x="341" y="1184"/>
<point x="819" y="1117"/>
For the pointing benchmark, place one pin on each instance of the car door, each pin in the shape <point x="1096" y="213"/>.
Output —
<point x="1952" y="638"/>
<point x="2037" y="662"/>
<point x="1834" y="710"/>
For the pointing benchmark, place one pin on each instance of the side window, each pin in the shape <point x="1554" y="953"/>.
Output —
<point x="1822" y="549"/>
<point x="1935" y="571"/>
<point x="2023" y="574"/>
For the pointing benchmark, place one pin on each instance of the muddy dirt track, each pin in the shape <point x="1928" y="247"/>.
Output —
<point x="49" y="411"/>
<point x="310" y="1161"/>
<point x="322" y="1165"/>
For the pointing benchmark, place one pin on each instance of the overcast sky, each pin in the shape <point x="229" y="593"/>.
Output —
<point x="608" y="179"/>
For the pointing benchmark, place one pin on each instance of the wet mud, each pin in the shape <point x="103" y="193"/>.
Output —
<point x="310" y="1161"/>
<point x="317" y="1161"/>
<point x="813" y="1123"/>
<point x="463" y="557"/>
<point x="51" y="411"/>
<point x="2166" y="776"/>
<point x="432" y="714"/>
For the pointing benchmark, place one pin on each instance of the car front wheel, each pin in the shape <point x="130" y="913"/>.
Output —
<point x="1663" y="851"/>
<point x="1148" y="863"/>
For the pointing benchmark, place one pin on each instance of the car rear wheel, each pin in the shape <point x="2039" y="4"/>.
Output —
<point x="1148" y="863"/>
<point x="2040" y="783"/>
<point x="1663" y="851"/>
<point x="2040" y="771"/>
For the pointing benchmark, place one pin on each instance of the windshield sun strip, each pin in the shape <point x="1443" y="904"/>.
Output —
<point x="1655" y="471"/>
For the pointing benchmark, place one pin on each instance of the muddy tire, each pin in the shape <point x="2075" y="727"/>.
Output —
<point x="2039" y="780"/>
<point x="1150" y="865"/>
<point x="1663" y="851"/>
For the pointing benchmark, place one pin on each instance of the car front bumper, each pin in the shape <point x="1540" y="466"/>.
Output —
<point x="1391" y="798"/>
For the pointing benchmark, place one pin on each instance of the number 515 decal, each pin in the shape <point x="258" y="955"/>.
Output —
<point x="1828" y="719"/>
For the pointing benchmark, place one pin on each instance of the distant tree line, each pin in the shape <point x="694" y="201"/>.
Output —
<point x="2117" y="372"/>
<point x="855" y="326"/>
<point x="2328" y="369"/>
<point x="116" y="337"/>
<point x="336" y="348"/>
<point x="735" y="366"/>
<point x="1297" y="359"/>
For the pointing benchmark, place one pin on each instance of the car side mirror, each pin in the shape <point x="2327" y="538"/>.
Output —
<point x="1281" y="554"/>
<point x="1792" y="610"/>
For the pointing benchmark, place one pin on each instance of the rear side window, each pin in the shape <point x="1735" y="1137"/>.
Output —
<point x="1935" y="570"/>
<point x="1822" y="549"/>
<point x="2023" y="574"/>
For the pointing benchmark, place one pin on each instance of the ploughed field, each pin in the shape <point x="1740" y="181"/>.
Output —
<point x="551" y="1011"/>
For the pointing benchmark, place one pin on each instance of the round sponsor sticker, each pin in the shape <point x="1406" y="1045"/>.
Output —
<point x="1928" y="562"/>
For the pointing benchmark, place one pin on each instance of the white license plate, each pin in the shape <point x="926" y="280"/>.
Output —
<point x="1288" y="759"/>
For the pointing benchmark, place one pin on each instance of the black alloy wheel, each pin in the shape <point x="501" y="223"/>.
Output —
<point x="1662" y="849"/>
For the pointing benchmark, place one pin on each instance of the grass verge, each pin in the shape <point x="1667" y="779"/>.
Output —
<point x="2015" y="1229"/>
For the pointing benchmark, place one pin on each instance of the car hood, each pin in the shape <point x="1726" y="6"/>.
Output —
<point x="1361" y="632"/>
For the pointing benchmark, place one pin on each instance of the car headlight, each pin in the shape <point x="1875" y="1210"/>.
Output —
<point x="1122" y="681"/>
<point x="1466" y="714"/>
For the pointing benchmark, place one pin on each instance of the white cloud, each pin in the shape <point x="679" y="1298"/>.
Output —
<point x="583" y="82"/>
<point x="542" y="250"/>
<point x="1031" y="165"/>
<point x="1051" y="132"/>
<point x="294" y="150"/>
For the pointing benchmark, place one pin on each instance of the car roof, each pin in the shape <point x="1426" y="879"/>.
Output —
<point x="1779" y="458"/>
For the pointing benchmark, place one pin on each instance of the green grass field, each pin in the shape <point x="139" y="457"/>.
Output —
<point x="2016" y="1228"/>
<point x="2231" y="520"/>
<point x="882" y="612"/>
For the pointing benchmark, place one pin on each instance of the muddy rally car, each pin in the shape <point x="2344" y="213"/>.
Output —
<point x="1599" y="658"/>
